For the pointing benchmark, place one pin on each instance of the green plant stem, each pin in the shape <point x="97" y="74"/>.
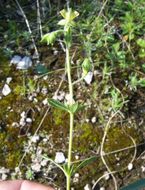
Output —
<point x="68" y="64"/>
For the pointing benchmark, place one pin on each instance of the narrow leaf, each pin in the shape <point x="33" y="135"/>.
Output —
<point x="57" y="104"/>
<point x="85" y="163"/>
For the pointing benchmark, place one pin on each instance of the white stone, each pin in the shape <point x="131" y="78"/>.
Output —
<point x="87" y="187"/>
<point x="59" y="158"/>
<point x="77" y="175"/>
<point x="6" y="90"/>
<point x="89" y="77"/>
<point x="45" y="101"/>
<point x="130" y="166"/>
<point x="25" y="63"/>
<point x="28" y="120"/>
<point x="4" y="177"/>
<point x="102" y="188"/>
<point x="4" y="170"/>
<point x="16" y="59"/>
<point x="107" y="176"/>
<point x="22" y="122"/>
<point x="15" y="124"/>
<point x="36" y="167"/>
<point x="45" y="78"/>
<point x="8" y="80"/>
<point x="35" y="138"/>
<point x="23" y="114"/>
<point x="93" y="120"/>
<point x="44" y="162"/>
<point x="77" y="157"/>
<point x="143" y="168"/>
<point x="44" y="90"/>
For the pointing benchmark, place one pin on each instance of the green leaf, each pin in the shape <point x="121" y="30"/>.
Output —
<point x="141" y="42"/>
<point x="50" y="38"/>
<point x="62" y="22"/>
<point x="74" y="107"/>
<point x="85" y="163"/>
<point x="59" y="105"/>
<point x="86" y="66"/>
<point x="41" y="69"/>
<point x="142" y="53"/>
<point x="57" y="165"/>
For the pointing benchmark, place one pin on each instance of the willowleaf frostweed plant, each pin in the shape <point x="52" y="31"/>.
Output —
<point x="72" y="106"/>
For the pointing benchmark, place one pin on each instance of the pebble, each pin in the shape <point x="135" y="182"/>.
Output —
<point x="6" y="90"/>
<point x="8" y="80"/>
<point x="36" y="167"/>
<point x="44" y="162"/>
<point x="102" y="188"/>
<point x="16" y="59"/>
<point x="87" y="187"/>
<point x="28" y="120"/>
<point x="24" y="63"/>
<point x="143" y="168"/>
<point x="107" y="176"/>
<point x="45" y="101"/>
<point x="35" y="138"/>
<point x="130" y="166"/>
<point x="59" y="158"/>
<point x="23" y="114"/>
<point x="93" y="120"/>
<point x="44" y="91"/>
<point x="4" y="170"/>
<point x="89" y="77"/>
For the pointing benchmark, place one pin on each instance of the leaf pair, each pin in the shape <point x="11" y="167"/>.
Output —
<point x="68" y="16"/>
<point x="68" y="108"/>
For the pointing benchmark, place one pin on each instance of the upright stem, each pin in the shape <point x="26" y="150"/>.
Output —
<point x="68" y="64"/>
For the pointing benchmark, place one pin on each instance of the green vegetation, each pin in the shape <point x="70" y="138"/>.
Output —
<point x="89" y="80"/>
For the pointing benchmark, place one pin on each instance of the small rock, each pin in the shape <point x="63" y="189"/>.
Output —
<point x="4" y="177"/>
<point x="93" y="120"/>
<point x="45" y="101"/>
<point x="28" y="120"/>
<point x="23" y="114"/>
<point x="16" y="59"/>
<point x="130" y="166"/>
<point x="36" y="167"/>
<point x="143" y="168"/>
<point x="35" y="138"/>
<point x="4" y="170"/>
<point x="44" y="162"/>
<point x="15" y="124"/>
<point x="44" y="91"/>
<point x="102" y="188"/>
<point x="89" y="77"/>
<point x="87" y="187"/>
<point x="6" y="90"/>
<point x="59" y="158"/>
<point x="25" y="63"/>
<point x="107" y="176"/>
<point x="8" y="80"/>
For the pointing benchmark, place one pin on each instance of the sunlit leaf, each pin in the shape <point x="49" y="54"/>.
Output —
<point x="86" y="66"/>
<point x="141" y="42"/>
<point x="62" y="22"/>
<point x="50" y="38"/>
<point x="57" y="104"/>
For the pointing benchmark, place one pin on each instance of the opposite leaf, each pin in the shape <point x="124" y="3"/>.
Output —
<point x="57" y="104"/>
<point x="51" y="37"/>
